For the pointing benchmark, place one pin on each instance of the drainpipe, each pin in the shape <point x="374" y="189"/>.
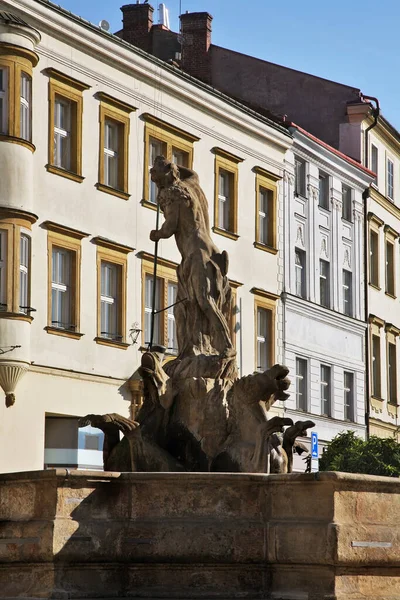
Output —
<point x="375" y="114"/>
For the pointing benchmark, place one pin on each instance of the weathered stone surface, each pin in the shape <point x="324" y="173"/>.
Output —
<point x="199" y="535"/>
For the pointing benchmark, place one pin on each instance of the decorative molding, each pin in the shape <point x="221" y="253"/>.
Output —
<point x="372" y="218"/>
<point x="264" y="294"/>
<point x="390" y="232"/>
<point x="64" y="230"/>
<point x="15" y="214"/>
<point x="324" y="246"/>
<point x="17" y="140"/>
<point x="390" y="328"/>
<point x="347" y="257"/>
<point x="189" y="137"/>
<point x="111" y="245"/>
<point x="225" y="233"/>
<point x="115" y="103"/>
<point x="112" y="191"/>
<point x="336" y="203"/>
<point x="66" y="79"/>
<point x="266" y="174"/>
<point x="265" y="248"/>
<point x="13" y="50"/>
<point x="313" y="192"/>
<point x="169" y="264"/>
<point x="234" y="284"/>
<point x="111" y="343"/>
<point x="10" y="374"/>
<point x="227" y="155"/>
<point x="64" y="173"/>
<point x="373" y="319"/>
<point x="73" y="335"/>
<point x="299" y="235"/>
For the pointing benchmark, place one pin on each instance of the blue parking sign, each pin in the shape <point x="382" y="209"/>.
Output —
<point x="314" y="444"/>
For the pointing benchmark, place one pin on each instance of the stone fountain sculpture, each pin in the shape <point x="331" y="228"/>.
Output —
<point x="197" y="415"/>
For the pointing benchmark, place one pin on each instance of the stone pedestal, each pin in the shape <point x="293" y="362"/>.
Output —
<point x="83" y="534"/>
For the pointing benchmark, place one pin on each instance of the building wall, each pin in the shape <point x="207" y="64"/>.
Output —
<point x="73" y="377"/>
<point x="324" y="335"/>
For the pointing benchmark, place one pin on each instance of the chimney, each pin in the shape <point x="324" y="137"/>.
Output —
<point x="196" y="42"/>
<point x="137" y="21"/>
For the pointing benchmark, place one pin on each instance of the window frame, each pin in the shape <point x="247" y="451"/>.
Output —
<point x="375" y="162"/>
<point x="15" y="223"/>
<point x="347" y="203"/>
<point x="173" y="138"/>
<point x="68" y="239"/>
<point x="303" y="260"/>
<point x="391" y="236"/>
<point x="166" y="272"/>
<point x="327" y="385"/>
<point x="68" y="88"/>
<point x="118" y="113"/>
<point x="28" y="104"/>
<point x="304" y="408"/>
<point x="322" y="176"/>
<point x="16" y="60"/>
<point x="327" y="279"/>
<point x="375" y="332"/>
<point x="375" y="223"/>
<point x="302" y="181"/>
<point x="25" y="309"/>
<point x="390" y="179"/>
<point x="266" y="181"/>
<point x="5" y="95"/>
<point x="229" y="163"/>
<point x="116" y="254"/>
<point x="265" y="301"/>
<point x="350" y="288"/>
<point x="349" y="415"/>
<point x="392" y="335"/>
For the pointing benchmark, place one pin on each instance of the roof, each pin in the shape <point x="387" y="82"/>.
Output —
<point x="351" y="161"/>
<point x="177" y="71"/>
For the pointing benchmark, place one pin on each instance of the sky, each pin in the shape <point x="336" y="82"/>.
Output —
<point x="355" y="42"/>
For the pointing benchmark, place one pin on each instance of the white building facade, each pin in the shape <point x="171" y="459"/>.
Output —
<point x="324" y="287"/>
<point x="82" y="116"/>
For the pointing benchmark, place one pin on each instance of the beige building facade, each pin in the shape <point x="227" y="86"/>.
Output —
<point x="82" y="115"/>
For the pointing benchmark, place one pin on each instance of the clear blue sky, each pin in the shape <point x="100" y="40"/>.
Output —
<point x="355" y="42"/>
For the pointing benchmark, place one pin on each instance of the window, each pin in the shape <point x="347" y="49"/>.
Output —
<point x="390" y="276"/>
<point x="389" y="179"/>
<point x="300" y="273"/>
<point x="226" y="193"/>
<point x="300" y="177"/>
<point x="114" y="138"/>
<point x="266" y="194"/>
<point x="15" y="251"/>
<point x="348" y="385"/>
<point x="65" y="123"/>
<point x="374" y="258"/>
<point x="64" y="252"/>
<point x="376" y="366"/>
<point x="265" y="307"/>
<point x="325" y="390"/>
<point x="323" y="196"/>
<point x="346" y="203"/>
<point x="164" y="139"/>
<point x="347" y="293"/>
<point x="392" y="375"/>
<point x="25" y="127"/>
<point x="3" y="100"/>
<point x="165" y="299"/>
<point x="374" y="161"/>
<point x="24" y="273"/>
<point x="3" y="270"/>
<point x="324" y="287"/>
<point x="111" y="292"/>
<point x="301" y="384"/>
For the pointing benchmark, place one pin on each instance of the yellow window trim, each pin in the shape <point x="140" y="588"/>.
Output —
<point x="68" y="88"/>
<point x="166" y="271"/>
<point x="173" y="138"/>
<point x="116" y="254"/>
<point x="374" y="225"/>
<point x="267" y="182"/>
<point x="227" y="156"/>
<point x="118" y="112"/>
<point x="17" y="61"/>
<point x="390" y="238"/>
<point x="12" y="220"/>
<point x="266" y="301"/>
<point x="392" y="331"/>
<point x="224" y="161"/>
<point x="390" y="233"/>
<point x="69" y="239"/>
<point x="374" y="221"/>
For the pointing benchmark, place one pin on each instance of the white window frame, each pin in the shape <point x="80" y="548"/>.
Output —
<point x="389" y="178"/>
<point x="224" y="200"/>
<point x="111" y="155"/>
<point x="263" y="344"/>
<point x="376" y="366"/>
<point x="301" y="398"/>
<point x="323" y="190"/>
<point x="62" y="134"/>
<point x="148" y="308"/>
<point x="265" y="199"/>
<point x="61" y="315"/>
<point x="3" y="269"/>
<point x="24" y="273"/>
<point x="324" y="280"/>
<point x="156" y="148"/>
<point x="300" y="273"/>
<point x="348" y="396"/>
<point x="109" y="301"/>
<point x="4" y="97"/>
<point x="326" y="385"/>
<point x="392" y="373"/>
<point x="346" y="287"/>
<point x="26" y="106"/>
<point x="300" y="177"/>
<point x="172" y="343"/>
<point x="347" y="203"/>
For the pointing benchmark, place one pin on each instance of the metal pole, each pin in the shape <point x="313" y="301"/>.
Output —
<point x="153" y="301"/>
